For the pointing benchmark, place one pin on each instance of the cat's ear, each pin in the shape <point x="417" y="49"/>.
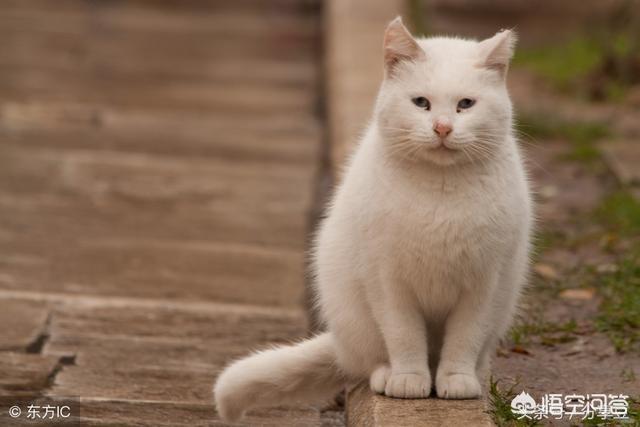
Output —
<point x="399" y="46"/>
<point x="497" y="51"/>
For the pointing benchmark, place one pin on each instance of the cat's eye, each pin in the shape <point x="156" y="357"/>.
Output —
<point x="422" y="102"/>
<point x="465" y="103"/>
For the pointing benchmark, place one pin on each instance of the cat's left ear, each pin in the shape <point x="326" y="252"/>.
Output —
<point x="496" y="52"/>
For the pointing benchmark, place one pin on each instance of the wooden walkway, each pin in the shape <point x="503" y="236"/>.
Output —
<point x="157" y="167"/>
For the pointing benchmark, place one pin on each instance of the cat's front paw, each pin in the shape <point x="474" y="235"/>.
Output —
<point x="408" y="385"/>
<point x="379" y="377"/>
<point x="458" y="386"/>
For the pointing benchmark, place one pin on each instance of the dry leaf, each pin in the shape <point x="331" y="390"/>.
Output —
<point x="546" y="271"/>
<point x="501" y="352"/>
<point x="548" y="191"/>
<point x="577" y="348"/>
<point x="578" y="294"/>
<point x="607" y="268"/>
<point x="520" y="350"/>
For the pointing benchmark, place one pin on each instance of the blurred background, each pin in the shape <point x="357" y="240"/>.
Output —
<point x="163" y="164"/>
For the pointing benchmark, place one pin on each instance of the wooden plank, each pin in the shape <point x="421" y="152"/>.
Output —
<point x="248" y="69"/>
<point x="113" y="194"/>
<point x="22" y="373"/>
<point x="174" y="94"/>
<point x="23" y="322"/>
<point x="279" y="226"/>
<point x="149" y="348"/>
<point x="237" y="325"/>
<point x="156" y="164"/>
<point x="152" y="414"/>
<point x="135" y="20"/>
<point x="285" y="138"/>
<point x="157" y="269"/>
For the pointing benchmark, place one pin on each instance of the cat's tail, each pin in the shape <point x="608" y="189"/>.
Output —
<point x="303" y="373"/>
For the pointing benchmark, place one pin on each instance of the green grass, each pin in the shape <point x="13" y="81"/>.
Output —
<point x="620" y="213"/>
<point x="500" y="407"/>
<point x="563" y="64"/>
<point x="619" y="314"/>
<point x="547" y="126"/>
<point x="581" y="135"/>
<point x="628" y="375"/>
<point x="583" y="66"/>
<point x="500" y="410"/>
<point x="545" y="239"/>
<point x="548" y="334"/>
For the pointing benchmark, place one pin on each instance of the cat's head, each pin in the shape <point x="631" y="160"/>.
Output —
<point x="444" y="100"/>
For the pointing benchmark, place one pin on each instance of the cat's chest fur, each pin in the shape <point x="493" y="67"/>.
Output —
<point x="430" y="236"/>
<point x="436" y="232"/>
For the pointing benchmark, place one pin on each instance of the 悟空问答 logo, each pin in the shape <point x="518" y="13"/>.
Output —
<point x="523" y="405"/>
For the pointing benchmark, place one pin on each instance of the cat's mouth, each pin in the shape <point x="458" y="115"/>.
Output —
<point x="442" y="146"/>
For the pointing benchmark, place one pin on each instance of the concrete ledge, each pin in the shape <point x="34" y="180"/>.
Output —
<point x="353" y="36"/>
<point x="364" y="408"/>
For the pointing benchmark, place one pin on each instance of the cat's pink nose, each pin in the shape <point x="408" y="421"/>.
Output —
<point x="442" y="129"/>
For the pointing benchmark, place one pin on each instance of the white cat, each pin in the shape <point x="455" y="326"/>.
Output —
<point x="424" y="252"/>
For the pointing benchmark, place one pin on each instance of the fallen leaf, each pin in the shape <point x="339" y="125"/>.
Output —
<point x="582" y="294"/>
<point x="606" y="268"/>
<point x="520" y="350"/>
<point x="501" y="352"/>
<point x="546" y="271"/>
<point x="548" y="191"/>
<point x="577" y="348"/>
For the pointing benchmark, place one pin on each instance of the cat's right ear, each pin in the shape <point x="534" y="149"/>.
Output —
<point x="399" y="46"/>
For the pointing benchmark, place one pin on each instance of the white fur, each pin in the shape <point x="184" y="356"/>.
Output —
<point x="424" y="252"/>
